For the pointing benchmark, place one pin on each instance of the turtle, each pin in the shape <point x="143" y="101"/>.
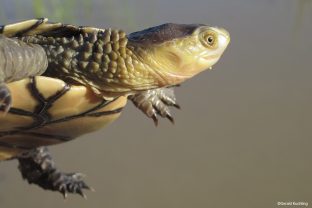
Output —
<point x="60" y="81"/>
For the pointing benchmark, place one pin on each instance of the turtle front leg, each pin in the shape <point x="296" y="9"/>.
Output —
<point x="156" y="102"/>
<point x="5" y="98"/>
<point x="18" y="60"/>
<point x="38" y="167"/>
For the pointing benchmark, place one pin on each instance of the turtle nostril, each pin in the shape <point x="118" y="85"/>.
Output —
<point x="225" y="33"/>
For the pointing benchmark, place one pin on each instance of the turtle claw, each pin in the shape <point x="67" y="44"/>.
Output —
<point x="170" y="118"/>
<point x="70" y="183"/>
<point x="155" y="119"/>
<point x="156" y="103"/>
<point x="5" y="98"/>
<point x="177" y="106"/>
<point x="91" y="189"/>
<point x="80" y="192"/>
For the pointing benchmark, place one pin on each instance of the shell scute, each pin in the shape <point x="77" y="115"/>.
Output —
<point x="48" y="111"/>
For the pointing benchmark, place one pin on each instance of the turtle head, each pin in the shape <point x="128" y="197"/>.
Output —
<point x="156" y="57"/>
<point x="176" y="52"/>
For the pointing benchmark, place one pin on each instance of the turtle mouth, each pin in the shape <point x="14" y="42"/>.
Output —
<point x="211" y="57"/>
<point x="176" y="78"/>
<point x="186" y="71"/>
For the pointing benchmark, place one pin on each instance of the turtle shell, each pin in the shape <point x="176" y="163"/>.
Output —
<point x="42" y="26"/>
<point x="47" y="111"/>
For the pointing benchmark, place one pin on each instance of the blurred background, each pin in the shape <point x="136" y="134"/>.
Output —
<point x="243" y="137"/>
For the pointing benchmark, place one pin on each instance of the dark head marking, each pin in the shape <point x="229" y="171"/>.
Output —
<point x="162" y="33"/>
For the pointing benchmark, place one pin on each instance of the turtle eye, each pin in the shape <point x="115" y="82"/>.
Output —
<point x="210" y="40"/>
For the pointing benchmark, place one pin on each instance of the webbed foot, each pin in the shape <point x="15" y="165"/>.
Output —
<point x="5" y="98"/>
<point x="38" y="167"/>
<point x="156" y="103"/>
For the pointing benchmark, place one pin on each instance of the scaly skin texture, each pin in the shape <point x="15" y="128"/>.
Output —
<point x="18" y="60"/>
<point x="99" y="60"/>
<point x="114" y="64"/>
<point x="37" y="166"/>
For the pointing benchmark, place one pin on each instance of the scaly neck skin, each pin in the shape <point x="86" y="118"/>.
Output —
<point x="147" y="69"/>
<point x="125" y="74"/>
<point x="106" y="62"/>
<point x="122" y="71"/>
